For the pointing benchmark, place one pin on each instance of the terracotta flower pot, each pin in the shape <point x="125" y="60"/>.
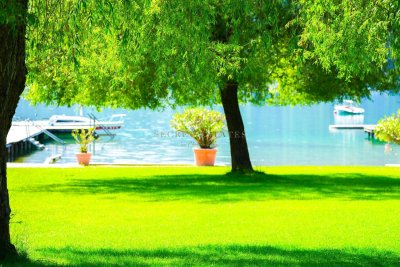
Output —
<point x="204" y="157"/>
<point x="83" y="158"/>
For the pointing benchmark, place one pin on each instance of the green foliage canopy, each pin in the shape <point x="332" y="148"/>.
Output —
<point x="354" y="41"/>
<point x="156" y="53"/>
<point x="69" y="53"/>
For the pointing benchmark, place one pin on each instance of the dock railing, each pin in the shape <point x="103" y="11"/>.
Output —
<point x="97" y="123"/>
<point x="51" y="135"/>
<point x="55" y="155"/>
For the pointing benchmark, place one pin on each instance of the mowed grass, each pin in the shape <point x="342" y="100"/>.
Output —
<point x="180" y="216"/>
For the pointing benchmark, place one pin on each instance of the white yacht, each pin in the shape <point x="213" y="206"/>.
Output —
<point x="348" y="107"/>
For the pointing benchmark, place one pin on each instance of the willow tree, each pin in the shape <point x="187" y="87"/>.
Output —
<point x="167" y="53"/>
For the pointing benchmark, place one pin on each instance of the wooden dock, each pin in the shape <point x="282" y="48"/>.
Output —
<point x="23" y="139"/>
<point x="346" y="127"/>
<point x="22" y="133"/>
<point x="367" y="128"/>
<point x="370" y="130"/>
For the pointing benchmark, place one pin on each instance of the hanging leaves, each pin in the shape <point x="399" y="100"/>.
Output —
<point x="148" y="53"/>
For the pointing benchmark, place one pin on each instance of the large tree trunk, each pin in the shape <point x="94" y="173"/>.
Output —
<point x="12" y="83"/>
<point x="239" y="152"/>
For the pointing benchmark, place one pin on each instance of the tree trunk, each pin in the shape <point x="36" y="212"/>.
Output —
<point x="237" y="138"/>
<point x="12" y="83"/>
<point x="6" y="247"/>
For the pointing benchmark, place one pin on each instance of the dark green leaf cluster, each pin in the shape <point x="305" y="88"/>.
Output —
<point x="12" y="12"/>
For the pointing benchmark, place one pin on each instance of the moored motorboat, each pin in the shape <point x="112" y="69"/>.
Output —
<point x="348" y="107"/>
<point x="65" y="123"/>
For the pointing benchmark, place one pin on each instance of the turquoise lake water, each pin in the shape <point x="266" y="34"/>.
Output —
<point x="275" y="135"/>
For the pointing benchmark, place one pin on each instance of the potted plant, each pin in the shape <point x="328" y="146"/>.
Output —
<point x="203" y="126"/>
<point x="83" y="138"/>
<point x="388" y="130"/>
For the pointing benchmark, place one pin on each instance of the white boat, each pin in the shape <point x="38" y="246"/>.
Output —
<point x="348" y="107"/>
<point x="64" y="123"/>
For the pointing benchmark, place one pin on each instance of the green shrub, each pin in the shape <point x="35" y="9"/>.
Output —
<point x="201" y="124"/>
<point x="83" y="138"/>
<point x="388" y="129"/>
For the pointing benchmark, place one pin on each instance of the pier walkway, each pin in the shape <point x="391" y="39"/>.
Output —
<point x="23" y="139"/>
<point x="367" y="128"/>
<point x="370" y="130"/>
<point x="22" y="133"/>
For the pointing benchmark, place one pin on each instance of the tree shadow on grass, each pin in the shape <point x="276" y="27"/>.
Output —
<point x="23" y="260"/>
<point x="235" y="187"/>
<point x="213" y="255"/>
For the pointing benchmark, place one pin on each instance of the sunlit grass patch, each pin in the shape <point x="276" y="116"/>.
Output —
<point x="203" y="216"/>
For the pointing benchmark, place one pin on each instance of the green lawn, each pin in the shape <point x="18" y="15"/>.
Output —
<point x="139" y="216"/>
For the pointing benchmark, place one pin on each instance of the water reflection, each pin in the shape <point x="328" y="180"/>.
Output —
<point x="344" y="119"/>
<point x="388" y="148"/>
